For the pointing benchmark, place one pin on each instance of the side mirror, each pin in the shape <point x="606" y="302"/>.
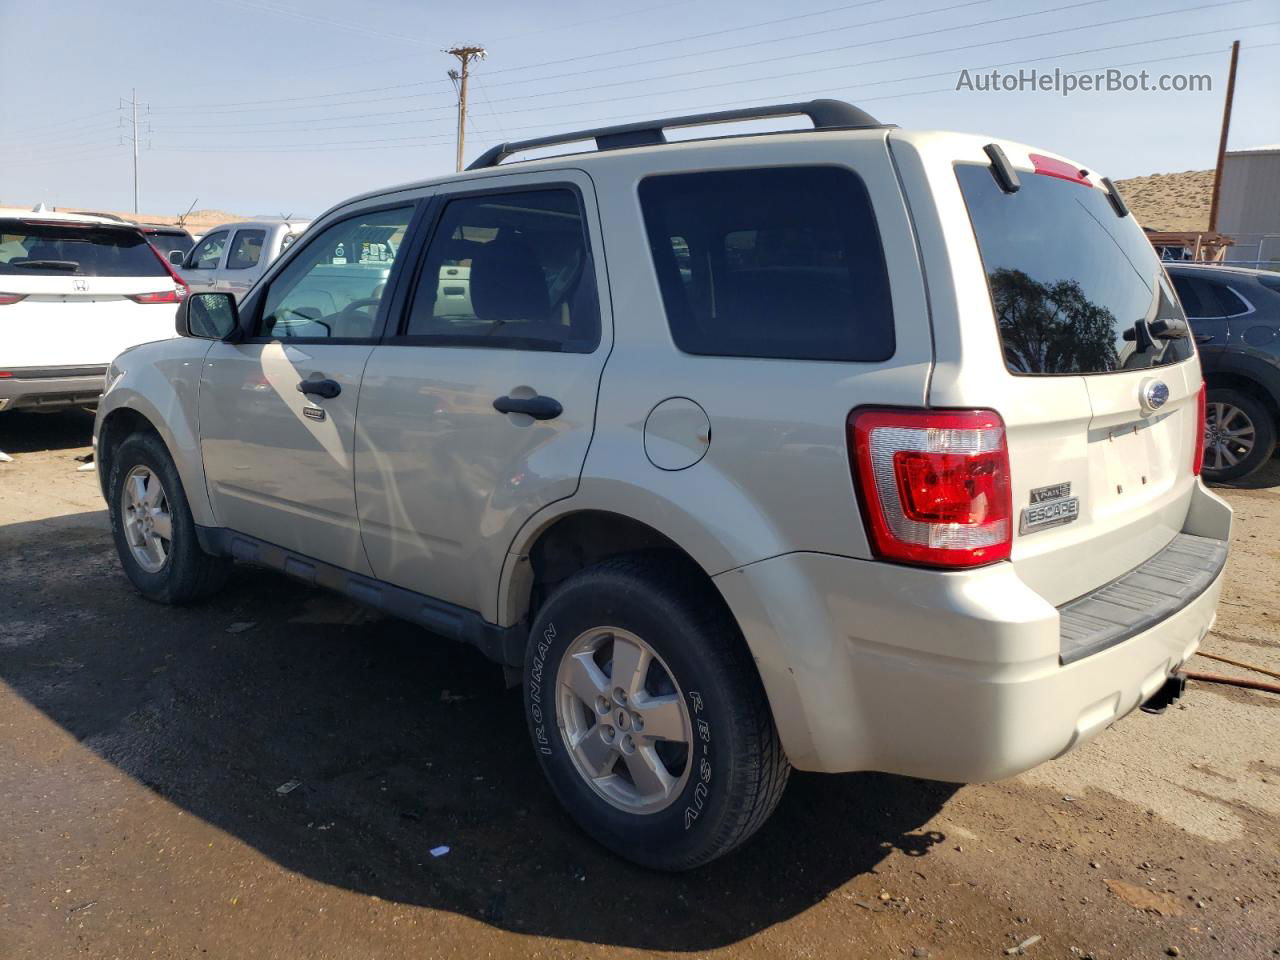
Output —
<point x="176" y="257"/>
<point x="208" y="316"/>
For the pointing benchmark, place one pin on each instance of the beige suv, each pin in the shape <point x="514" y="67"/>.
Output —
<point x="841" y="449"/>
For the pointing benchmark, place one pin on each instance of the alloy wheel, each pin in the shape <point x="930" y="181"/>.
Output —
<point x="148" y="525"/>
<point x="1228" y="436"/>
<point x="624" y="720"/>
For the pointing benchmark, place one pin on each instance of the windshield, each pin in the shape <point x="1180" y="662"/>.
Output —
<point x="85" y="250"/>
<point x="1074" y="286"/>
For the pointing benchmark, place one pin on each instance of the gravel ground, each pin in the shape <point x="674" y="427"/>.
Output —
<point x="142" y="752"/>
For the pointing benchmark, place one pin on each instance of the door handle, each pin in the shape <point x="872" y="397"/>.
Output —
<point x="540" y="408"/>
<point x="325" y="389"/>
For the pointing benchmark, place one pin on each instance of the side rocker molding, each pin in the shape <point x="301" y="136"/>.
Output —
<point x="503" y="645"/>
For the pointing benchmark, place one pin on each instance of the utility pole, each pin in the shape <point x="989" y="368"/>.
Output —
<point x="465" y="55"/>
<point x="1222" y="140"/>
<point x="133" y="105"/>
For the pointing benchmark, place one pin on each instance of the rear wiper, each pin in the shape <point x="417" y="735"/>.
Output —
<point x="71" y="265"/>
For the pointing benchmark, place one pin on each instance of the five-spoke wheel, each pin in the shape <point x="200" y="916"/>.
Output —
<point x="144" y="511"/>
<point x="623" y="719"/>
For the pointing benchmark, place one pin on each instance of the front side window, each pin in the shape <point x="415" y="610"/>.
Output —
<point x="37" y="249"/>
<point x="246" y="249"/>
<point x="333" y="287"/>
<point x="780" y="262"/>
<point x="509" y="270"/>
<point x="1074" y="287"/>
<point x="208" y="252"/>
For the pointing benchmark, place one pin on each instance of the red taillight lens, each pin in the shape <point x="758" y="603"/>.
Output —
<point x="8" y="298"/>
<point x="934" y="485"/>
<point x="1198" y="461"/>
<point x="162" y="296"/>
<point x="177" y="278"/>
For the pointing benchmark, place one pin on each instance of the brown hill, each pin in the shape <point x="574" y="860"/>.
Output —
<point x="1170" y="201"/>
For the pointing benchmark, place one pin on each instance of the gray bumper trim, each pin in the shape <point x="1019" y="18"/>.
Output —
<point x="1141" y="598"/>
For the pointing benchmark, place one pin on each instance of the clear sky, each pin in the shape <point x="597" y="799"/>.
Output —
<point x="286" y="106"/>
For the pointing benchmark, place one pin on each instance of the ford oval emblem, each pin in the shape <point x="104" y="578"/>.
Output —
<point x="1155" y="393"/>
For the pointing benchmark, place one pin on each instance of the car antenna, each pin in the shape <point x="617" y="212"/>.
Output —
<point x="182" y="220"/>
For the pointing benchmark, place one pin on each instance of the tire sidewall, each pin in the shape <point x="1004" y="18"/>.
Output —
<point x="676" y="835"/>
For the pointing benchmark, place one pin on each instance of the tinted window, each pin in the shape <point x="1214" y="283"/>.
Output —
<point x="509" y="270"/>
<point x="783" y="262"/>
<point x="333" y="286"/>
<point x="208" y="252"/>
<point x="44" y="249"/>
<point x="1197" y="298"/>
<point x="246" y="249"/>
<point x="168" y="242"/>
<point x="1073" y="285"/>
<point x="1230" y="302"/>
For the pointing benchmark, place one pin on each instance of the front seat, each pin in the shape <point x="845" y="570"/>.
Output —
<point x="508" y="286"/>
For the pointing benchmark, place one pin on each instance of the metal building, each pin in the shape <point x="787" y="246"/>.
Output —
<point x="1249" y="206"/>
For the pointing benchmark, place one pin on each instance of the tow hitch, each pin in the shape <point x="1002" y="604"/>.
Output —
<point x="1167" y="694"/>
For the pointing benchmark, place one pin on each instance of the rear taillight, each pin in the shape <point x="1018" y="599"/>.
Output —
<point x="1198" y="460"/>
<point x="161" y="296"/>
<point x="177" y="278"/>
<point x="8" y="298"/>
<point x="934" y="485"/>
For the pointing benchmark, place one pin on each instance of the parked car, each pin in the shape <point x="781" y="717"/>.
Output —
<point x="843" y="449"/>
<point x="173" y="242"/>
<point x="1235" y="314"/>
<point x="233" y="256"/>
<point x="75" y="290"/>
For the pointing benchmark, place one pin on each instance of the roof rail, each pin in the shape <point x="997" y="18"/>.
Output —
<point x="825" y="114"/>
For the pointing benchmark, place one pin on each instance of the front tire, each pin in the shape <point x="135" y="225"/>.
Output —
<point x="647" y="714"/>
<point x="151" y="524"/>
<point x="1240" y="435"/>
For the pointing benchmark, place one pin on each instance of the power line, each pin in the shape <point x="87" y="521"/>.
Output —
<point x="871" y="83"/>
<point x="419" y="141"/>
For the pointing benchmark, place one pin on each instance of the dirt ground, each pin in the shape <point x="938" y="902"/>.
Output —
<point x="142" y="749"/>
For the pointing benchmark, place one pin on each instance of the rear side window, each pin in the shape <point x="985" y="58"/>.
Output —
<point x="783" y="262"/>
<point x="509" y="270"/>
<point x="1073" y="286"/>
<point x="1197" y="298"/>
<point x="166" y="243"/>
<point x="53" y="249"/>
<point x="246" y="249"/>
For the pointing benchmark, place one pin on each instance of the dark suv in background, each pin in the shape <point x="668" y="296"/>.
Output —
<point x="1235" y="316"/>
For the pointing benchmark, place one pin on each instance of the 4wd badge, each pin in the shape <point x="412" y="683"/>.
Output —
<point x="1050" y="507"/>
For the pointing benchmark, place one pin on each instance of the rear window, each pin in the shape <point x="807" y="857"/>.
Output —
<point x="1073" y="285"/>
<point x="783" y="262"/>
<point x="168" y="242"/>
<point x="44" y="249"/>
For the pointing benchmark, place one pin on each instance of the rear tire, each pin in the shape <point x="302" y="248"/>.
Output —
<point x="648" y="716"/>
<point x="1240" y="435"/>
<point x="151" y="524"/>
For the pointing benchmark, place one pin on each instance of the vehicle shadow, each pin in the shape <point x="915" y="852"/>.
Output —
<point x="1268" y="475"/>
<point x="22" y="432"/>
<point x="401" y="743"/>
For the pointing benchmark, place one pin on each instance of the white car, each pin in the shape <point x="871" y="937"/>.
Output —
<point x="852" y="448"/>
<point x="75" y="290"/>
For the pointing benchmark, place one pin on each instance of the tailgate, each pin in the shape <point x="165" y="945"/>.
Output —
<point x="1060" y="317"/>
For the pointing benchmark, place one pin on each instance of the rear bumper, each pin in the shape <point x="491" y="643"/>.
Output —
<point x="954" y="676"/>
<point x="41" y="388"/>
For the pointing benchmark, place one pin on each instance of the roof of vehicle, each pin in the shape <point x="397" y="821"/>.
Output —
<point x="38" y="213"/>
<point x="296" y="226"/>
<point x="163" y="228"/>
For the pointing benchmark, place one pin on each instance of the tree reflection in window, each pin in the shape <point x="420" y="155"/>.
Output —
<point x="1052" y="328"/>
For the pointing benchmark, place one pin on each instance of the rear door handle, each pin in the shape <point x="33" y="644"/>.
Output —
<point x="325" y="389"/>
<point x="540" y="408"/>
